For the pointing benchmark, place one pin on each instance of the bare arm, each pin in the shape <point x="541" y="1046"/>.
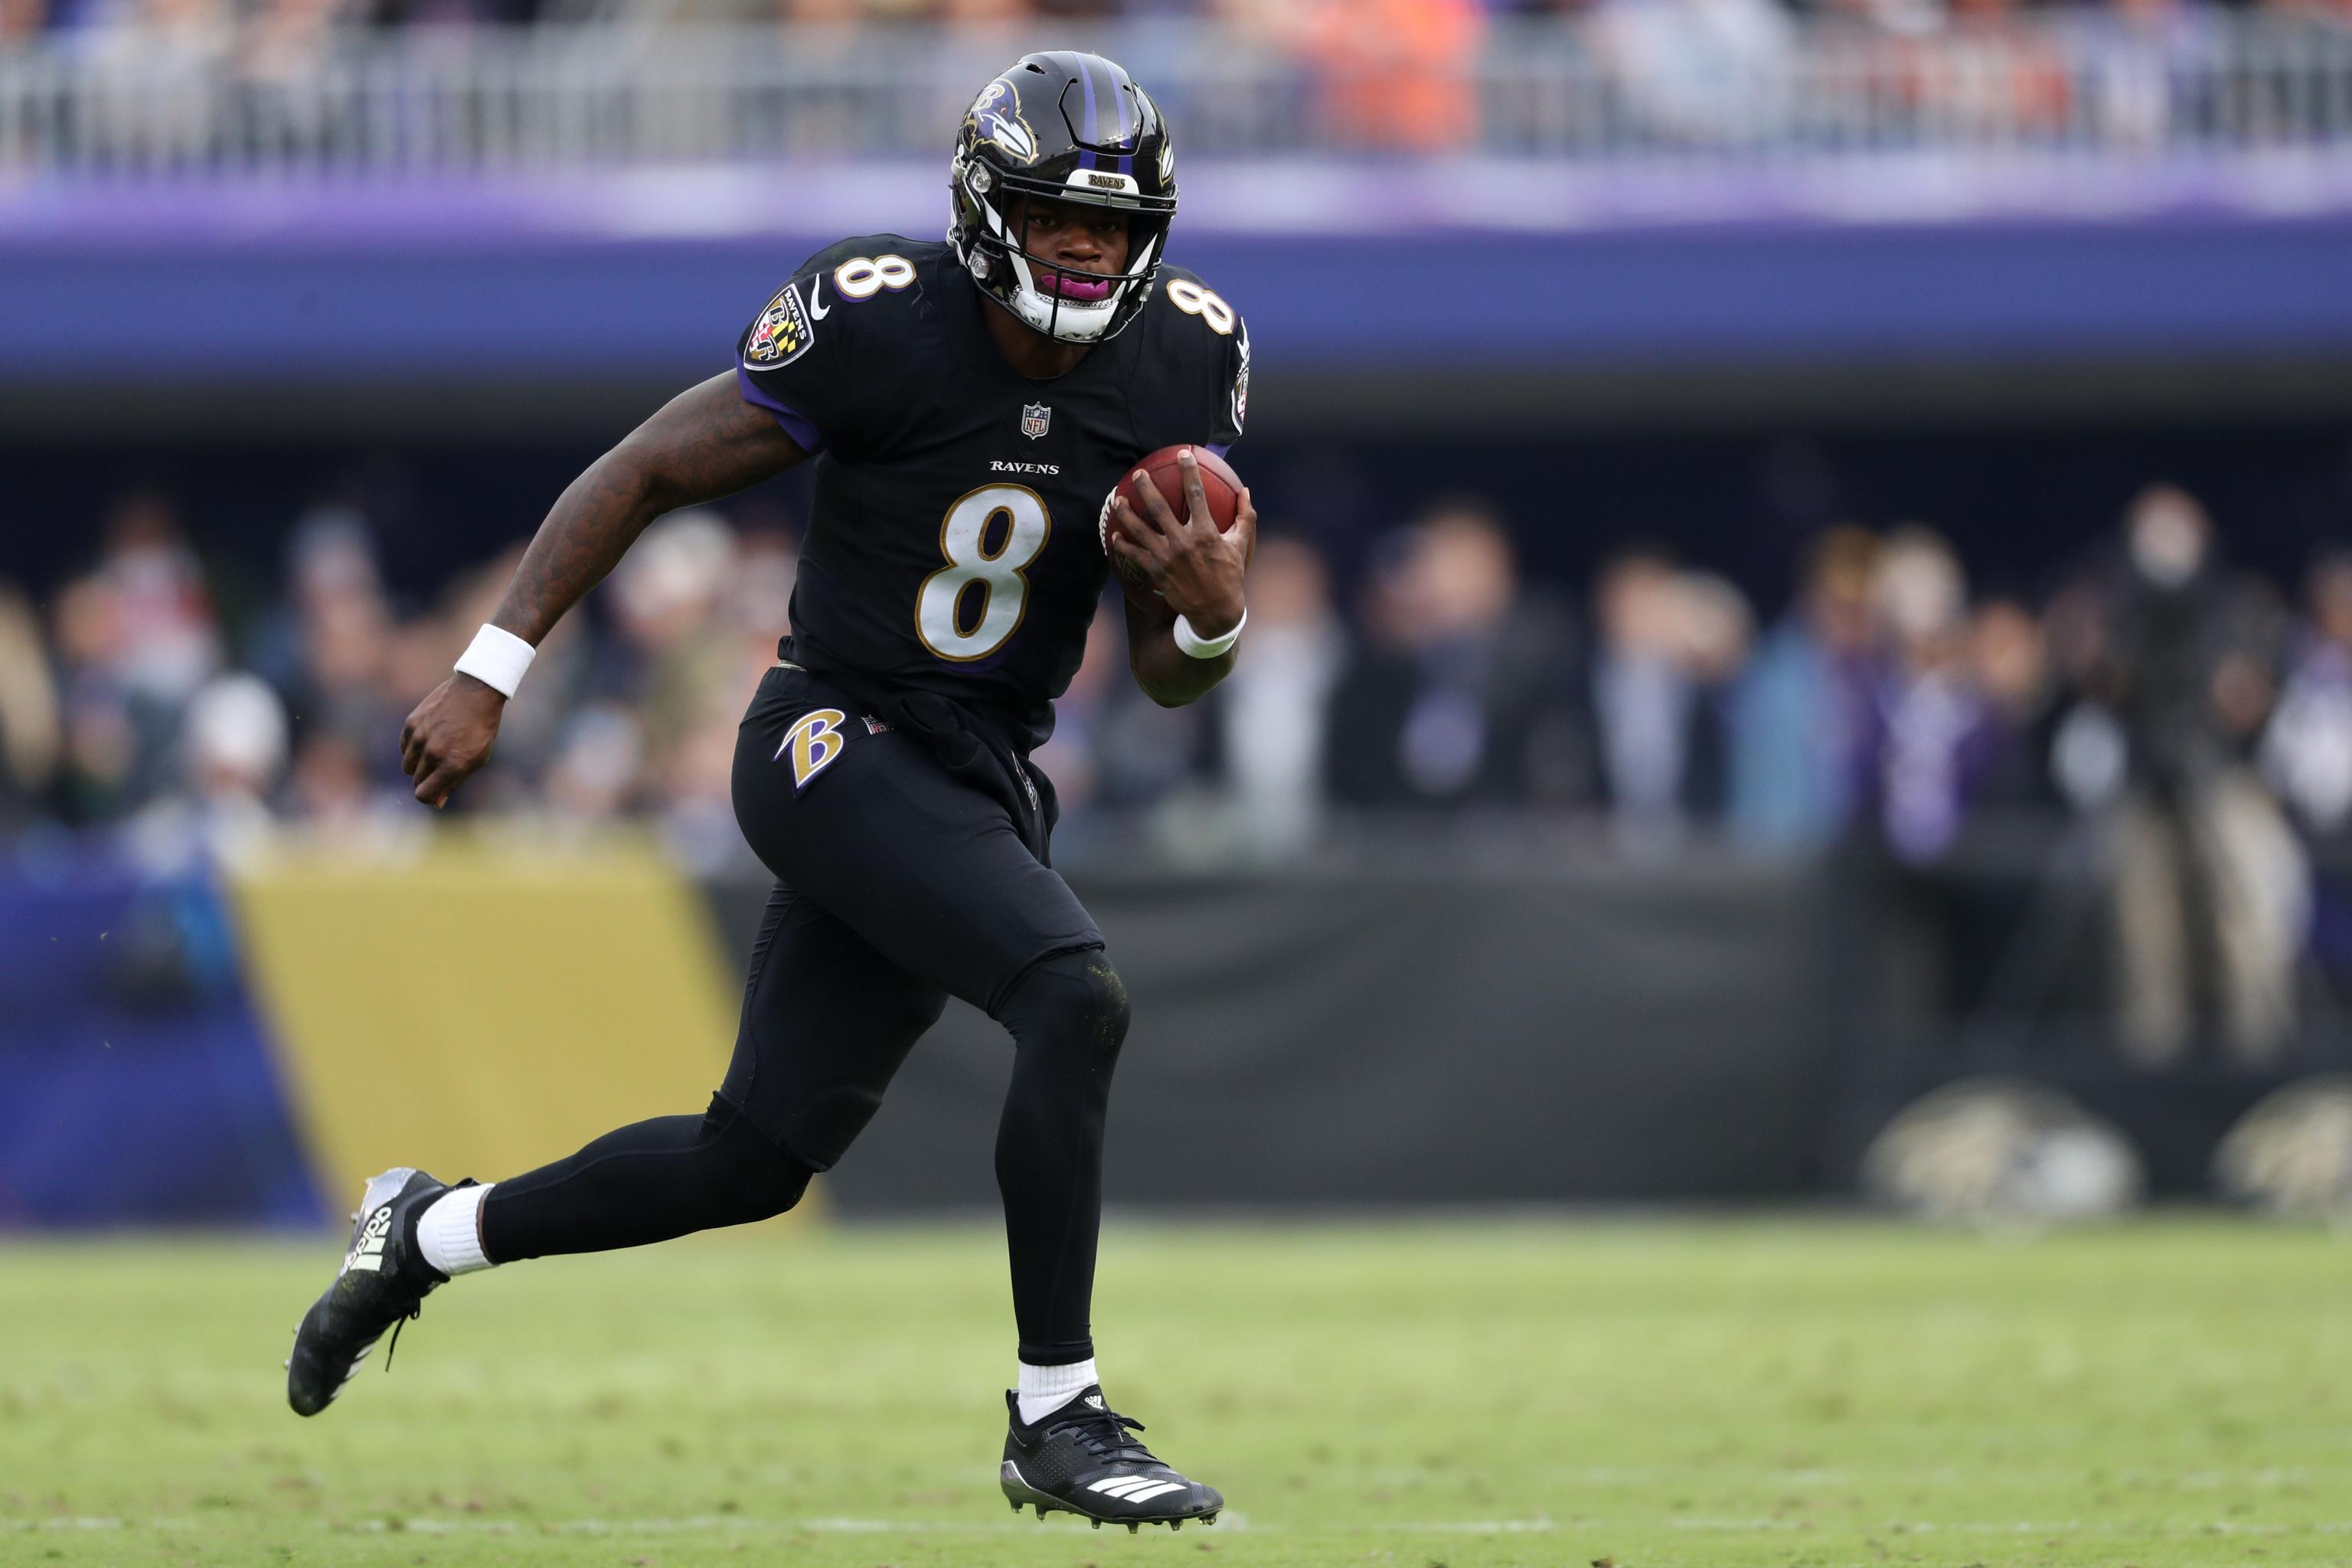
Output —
<point x="705" y="443"/>
<point x="1168" y="676"/>
<point x="1195" y="572"/>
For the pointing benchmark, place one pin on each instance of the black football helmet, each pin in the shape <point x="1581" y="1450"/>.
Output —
<point x="1075" y="128"/>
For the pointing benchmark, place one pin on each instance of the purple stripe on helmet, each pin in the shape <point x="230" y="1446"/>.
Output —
<point x="1120" y="84"/>
<point x="796" y="425"/>
<point x="1086" y="76"/>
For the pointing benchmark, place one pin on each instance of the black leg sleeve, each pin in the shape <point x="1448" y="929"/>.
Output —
<point x="645" y="1183"/>
<point x="1068" y="1018"/>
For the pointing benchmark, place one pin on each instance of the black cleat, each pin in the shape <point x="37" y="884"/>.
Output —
<point x="382" y="1284"/>
<point x="1084" y="1459"/>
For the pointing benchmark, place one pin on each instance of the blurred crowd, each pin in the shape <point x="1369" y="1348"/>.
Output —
<point x="1415" y="76"/>
<point x="1435" y="31"/>
<point x="1887" y="700"/>
<point x="2202" y="718"/>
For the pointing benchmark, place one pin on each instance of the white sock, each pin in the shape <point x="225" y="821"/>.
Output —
<point x="1046" y="1389"/>
<point x="449" y="1231"/>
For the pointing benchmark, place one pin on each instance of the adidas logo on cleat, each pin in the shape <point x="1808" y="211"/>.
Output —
<point x="367" y="1252"/>
<point x="1134" y="1488"/>
<point x="351" y="1317"/>
<point x="1098" y="1470"/>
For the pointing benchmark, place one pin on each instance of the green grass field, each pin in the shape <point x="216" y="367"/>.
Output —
<point x="1715" y="1393"/>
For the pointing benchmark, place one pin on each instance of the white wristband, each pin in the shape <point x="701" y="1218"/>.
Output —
<point x="1195" y="645"/>
<point x="497" y="657"/>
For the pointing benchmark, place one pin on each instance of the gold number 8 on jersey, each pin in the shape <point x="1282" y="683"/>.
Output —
<point x="861" y="277"/>
<point x="1005" y="591"/>
<point x="1194" y="299"/>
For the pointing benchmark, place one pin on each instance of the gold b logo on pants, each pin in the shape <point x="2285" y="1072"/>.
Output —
<point x="815" y="742"/>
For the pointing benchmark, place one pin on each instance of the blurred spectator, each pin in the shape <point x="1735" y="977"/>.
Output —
<point x="2009" y="663"/>
<point x="1463" y="692"/>
<point x="1801" y="709"/>
<point x="1932" y="730"/>
<point x="283" y="42"/>
<point x="1143" y="752"/>
<point x="1699" y="70"/>
<point x="31" y="736"/>
<point x="162" y="63"/>
<point x="598" y="757"/>
<point x="1665" y="642"/>
<point x="986" y="12"/>
<point x="346" y="642"/>
<point x="1118" y="761"/>
<point x="694" y="785"/>
<point x="666" y="595"/>
<point x="2307" y="752"/>
<point x="1395" y="73"/>
<point x="232" y="757"/>
<point x="331" y="551"/>
<point x="1272" y="711"/>
<point x="235" y="742"/>
<point x="2146" y="63"/>
<point x="2211" y="889"/>
<point x="759" y="604"/>
<point x="135" y="639"/>
<point x="2087" y="749"/>
<point x="337" y="797"/>
<point x="330" y="784"/>
<point x="166" y="642"/>
<point x="701" y="611"/>
<point x="106" y="746"/>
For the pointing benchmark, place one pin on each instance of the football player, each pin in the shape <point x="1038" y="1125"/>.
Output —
<point x="969" y="406"/>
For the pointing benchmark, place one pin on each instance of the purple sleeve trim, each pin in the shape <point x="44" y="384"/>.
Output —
<point x="797" y="425"/>
<point x="1220" y="449"/>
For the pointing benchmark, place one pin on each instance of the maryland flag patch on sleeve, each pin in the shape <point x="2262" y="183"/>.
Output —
<point x="782" y="334"/>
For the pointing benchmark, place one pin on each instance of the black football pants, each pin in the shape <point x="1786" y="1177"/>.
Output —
<point x="897" y="887"/>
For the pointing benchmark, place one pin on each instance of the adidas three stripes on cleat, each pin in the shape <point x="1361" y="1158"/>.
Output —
<point x="1083" y="1459"/>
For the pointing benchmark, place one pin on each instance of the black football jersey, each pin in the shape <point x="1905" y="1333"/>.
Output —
<point x="953" y="544"/>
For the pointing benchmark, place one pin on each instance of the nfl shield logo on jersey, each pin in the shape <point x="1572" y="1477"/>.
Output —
<point x="1036" y="417"/>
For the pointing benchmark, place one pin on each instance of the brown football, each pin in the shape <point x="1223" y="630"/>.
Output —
<point x="1222" y="486"/>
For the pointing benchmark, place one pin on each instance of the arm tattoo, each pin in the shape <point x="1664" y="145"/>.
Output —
<point x="705" y="443"/>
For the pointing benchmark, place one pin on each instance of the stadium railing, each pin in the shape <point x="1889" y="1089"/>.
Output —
<point x="1640" y="85"/>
